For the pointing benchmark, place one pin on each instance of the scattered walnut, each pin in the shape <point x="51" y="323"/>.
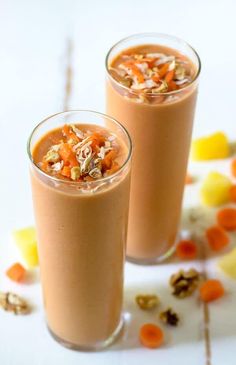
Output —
<point x="147" y="302"/>
<point x="13" y="303"/>
<point x="170" y="317"/>
<point x="184" y="283"/>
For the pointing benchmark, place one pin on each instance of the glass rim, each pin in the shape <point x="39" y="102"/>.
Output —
<point x="79" y="183"/>
<point x="153" y="34"/>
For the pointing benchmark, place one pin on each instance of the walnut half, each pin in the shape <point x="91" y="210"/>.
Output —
<point x="147" y="302"/>
<point x="13" y="303"/>
<point x="184" y="283"/>
<point x="170" y="317"/>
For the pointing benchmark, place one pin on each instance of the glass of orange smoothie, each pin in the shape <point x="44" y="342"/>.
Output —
<point x="152" y="82"/>
<point x="80" y="177"/>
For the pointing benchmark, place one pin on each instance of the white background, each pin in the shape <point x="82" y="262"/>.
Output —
<point x="34" y="41"/>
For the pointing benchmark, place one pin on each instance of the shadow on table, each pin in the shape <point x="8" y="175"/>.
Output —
<point x="134" y="317"/>
<point x="32" y="277"/>
<point x="192" y="326"/>
<point x="232" y="148"/>
<point x="189" y="329"/>
<point x="194" y="222"/>
<point x="191" y="310"/>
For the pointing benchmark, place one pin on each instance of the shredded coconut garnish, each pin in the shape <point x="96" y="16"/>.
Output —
<point x="82" y="155"/>
<point x="181" y="82"/>
<point x="55" y="147"/>
<point x="77" y="131"/>
<point x="111" y="138"/>
<point x="152" y="73"/>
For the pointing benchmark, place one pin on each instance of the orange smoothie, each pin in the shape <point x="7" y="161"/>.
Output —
<point x="80" y="177"/>
<point x="152" y="89"/>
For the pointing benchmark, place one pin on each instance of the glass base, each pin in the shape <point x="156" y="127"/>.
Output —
<point x="99" y="346"/>
<point x="152" y="260"/>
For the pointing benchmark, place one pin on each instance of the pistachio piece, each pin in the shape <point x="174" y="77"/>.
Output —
<point x="97" y="162"/>
<point x="84" y="166"/>
<point x="162" y="88"/>
<point x="75" y="173"/>
<point x="150" y="73"/>
<point x="95" y="173"/>
<point x="52" y="156"/>
<point x="126" y="82"/>
<point x="138" y="56"/>
<point x="72" y="141"/>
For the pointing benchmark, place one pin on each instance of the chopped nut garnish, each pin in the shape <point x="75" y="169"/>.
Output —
<point x="95" y="173"/>
<point x="152" y="73"/>
<point x="162" y="88"/>
<point x="13" y="303"/>
<point x="126" y="82"/>
<point x="75" y="173"/>
<point x="147" y="301"/>
<point x="72" y="141"/>
<point x="52" y="156"/>
<point x="169" y="317"/>
<point x="184" y="283"/>
<point x="81" y="154"/>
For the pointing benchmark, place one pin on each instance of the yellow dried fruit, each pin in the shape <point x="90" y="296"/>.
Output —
<point x="228" y="264"/>
<point x="211" y="147"/>
<point x="26" y="242"/>
<point x="215" y="189"/>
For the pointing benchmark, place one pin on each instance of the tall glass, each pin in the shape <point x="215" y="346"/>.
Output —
<point x="81" y="230"/>
<point x="160" y="127"/>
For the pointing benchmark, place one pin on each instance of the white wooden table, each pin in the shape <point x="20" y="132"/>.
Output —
<point x="51" y="59"/>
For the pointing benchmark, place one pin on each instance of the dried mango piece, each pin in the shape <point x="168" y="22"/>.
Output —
<point x="228" y="264"/>
<point x="16" y="272"/>
<point x="210" y="147"/>
<point x="215" y="189"/>
<point x="233" y="167"/>
<point x="210" y="290"/>
<point x="25" y="240"/>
